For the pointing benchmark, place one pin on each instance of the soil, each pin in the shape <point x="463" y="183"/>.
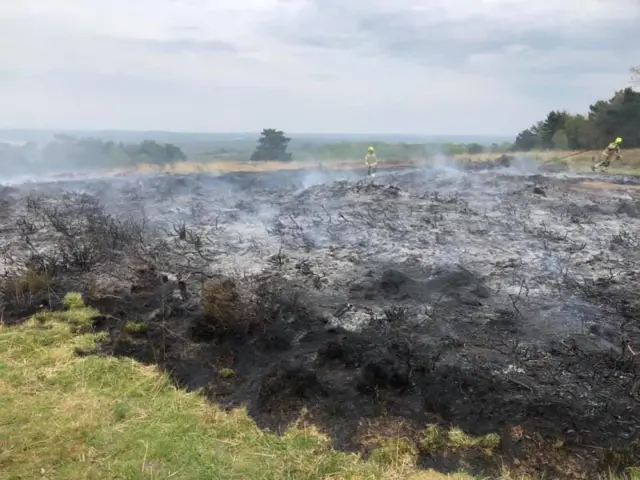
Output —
<point x="494" y="298"/>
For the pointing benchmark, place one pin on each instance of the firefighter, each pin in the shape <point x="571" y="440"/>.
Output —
<point x="371" y="161"/>
<point x="613" y="149"/>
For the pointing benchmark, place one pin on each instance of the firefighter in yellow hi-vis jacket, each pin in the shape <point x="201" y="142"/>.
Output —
<point x="371" y="161"/>
<point x="612" y="150"/>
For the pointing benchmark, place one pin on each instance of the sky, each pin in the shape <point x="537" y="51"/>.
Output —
<point x="431" y="67"/>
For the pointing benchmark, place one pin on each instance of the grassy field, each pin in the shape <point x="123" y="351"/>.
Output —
<point x="582" y="161"/>
<point x="69" y="416"/>
<point x="574" y="161"/>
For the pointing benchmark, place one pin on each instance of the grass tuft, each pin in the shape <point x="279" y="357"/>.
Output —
<point x="136" y="328"/>
<point x="73" y="301"/>
<point x="435" y="439"/>
<point x="397" y="452"/>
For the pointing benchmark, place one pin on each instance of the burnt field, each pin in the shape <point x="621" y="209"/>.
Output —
<point x="491" y="300"/>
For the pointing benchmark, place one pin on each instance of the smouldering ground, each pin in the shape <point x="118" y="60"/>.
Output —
<point x="494" y="301"/>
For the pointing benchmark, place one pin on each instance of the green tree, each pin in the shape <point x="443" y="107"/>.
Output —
<point x="272" y="145"/>
<point x="606" y="119"/>
<point x="475" y="148"/>
<point x="560" y="140"/>
<point x="150" y="151"/>
<point x="618" y="117"/>
<point x="526" y="140"/>
<point x="118" y="156"/>
<point x="550" y="126"/>
<point x="67" y="152"/>
<point x="160" y="154"/>
<point x="448" y="148"/>
<point x="579" y="132"/>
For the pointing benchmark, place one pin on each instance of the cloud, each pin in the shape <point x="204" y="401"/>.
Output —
<point x="187" y="45"/>
<point x="454" y="66"/>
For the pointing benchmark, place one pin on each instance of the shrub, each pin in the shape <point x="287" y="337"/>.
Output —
<point x="228" y="305"/>
<point x="219" y="299"/>
<point x="224" y="309"/>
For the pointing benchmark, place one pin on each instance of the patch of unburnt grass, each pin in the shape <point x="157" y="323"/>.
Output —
<point x="136" y="328"/>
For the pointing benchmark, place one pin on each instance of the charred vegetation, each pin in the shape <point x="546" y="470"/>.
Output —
<point x="492" y="303"/>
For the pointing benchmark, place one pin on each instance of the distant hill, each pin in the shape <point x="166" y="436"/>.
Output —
<point x="185" y="138"/>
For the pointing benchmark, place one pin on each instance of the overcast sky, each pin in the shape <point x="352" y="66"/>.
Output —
<point x="369" y="66"/>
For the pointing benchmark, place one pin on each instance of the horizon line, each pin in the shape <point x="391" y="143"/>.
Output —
<point x="248" y="132"/>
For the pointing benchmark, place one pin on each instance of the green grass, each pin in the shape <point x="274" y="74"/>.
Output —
<point x="435" y="439"/>
<point x="227" y="373"/>
<point x="73" y="300"/>
<point x="136" y="328"/>
<point x="97" y="417"/>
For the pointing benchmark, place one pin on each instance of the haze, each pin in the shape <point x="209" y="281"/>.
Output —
<point x="436" y="67"/>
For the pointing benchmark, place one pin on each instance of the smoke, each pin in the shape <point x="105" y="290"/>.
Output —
<point x="325" y="176"/>
<point x="439" y="214"/>
<point x="521" y="165"/>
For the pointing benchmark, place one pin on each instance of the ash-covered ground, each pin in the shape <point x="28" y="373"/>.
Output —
<point x="494" y="299"/>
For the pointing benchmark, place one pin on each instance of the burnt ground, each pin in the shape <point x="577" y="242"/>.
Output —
<point x="494" y="300"/>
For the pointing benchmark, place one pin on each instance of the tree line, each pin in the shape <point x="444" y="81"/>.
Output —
<point x="273" y="145"/>
<point x="65" y="152"/>
<point x="604" y="122"/>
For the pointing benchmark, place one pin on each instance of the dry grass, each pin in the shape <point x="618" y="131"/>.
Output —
<point x="239" y="166"/>
<point x="630" y="163"/>
<point x="23" y="289"/>
<point x="245" y="305"/>
<point x="94" y="417"/>
<point x="542" y="156"/>
<point x="574" y="160"/>
<point x="29" y="282"/>
<point x="222" y="304"/>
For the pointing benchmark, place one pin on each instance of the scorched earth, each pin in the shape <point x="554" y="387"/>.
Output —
<point x="495" y="299"/>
